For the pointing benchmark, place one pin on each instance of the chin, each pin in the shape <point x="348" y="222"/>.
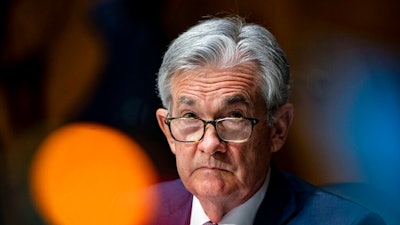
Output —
<point x="209" y="185"/>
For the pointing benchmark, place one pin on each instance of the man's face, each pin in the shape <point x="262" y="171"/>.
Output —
<point x="211" y="168"/>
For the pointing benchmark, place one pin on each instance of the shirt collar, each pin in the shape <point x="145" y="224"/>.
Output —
<point x="243" y="214"/>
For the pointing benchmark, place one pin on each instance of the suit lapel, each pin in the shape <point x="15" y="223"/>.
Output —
<point x="180" y="207"/>
<point x="176" y="204"/>
<point x="279" y="203"/>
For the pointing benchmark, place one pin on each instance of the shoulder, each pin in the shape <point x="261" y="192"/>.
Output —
<point x="317" y="206"/>
<point x="168" y="185"/>
<point x="170" y="191"/>
<point x="173" y="203"/>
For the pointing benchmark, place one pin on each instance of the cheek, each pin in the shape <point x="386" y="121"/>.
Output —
<point x="254" y="154"/>
<point x="262" y="138"/>
<point x="184" y="157"/>
<point x="263" y="151"/>
<point x="258" y="152"/>
<point x="245" y="159"/>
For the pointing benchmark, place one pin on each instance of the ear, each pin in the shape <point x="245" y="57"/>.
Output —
<point x="161" y="115"/>
<point x="282" y="120"/>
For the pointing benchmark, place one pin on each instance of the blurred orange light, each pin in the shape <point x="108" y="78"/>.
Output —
<point x="90" y="174"/>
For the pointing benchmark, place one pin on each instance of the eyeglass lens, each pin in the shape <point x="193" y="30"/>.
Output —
<point x="228" y="129"/>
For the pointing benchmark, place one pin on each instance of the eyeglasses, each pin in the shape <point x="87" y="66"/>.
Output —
<point x="229" y="129"/>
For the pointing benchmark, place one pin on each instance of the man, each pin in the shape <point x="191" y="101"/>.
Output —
<point x="225" y="85"/>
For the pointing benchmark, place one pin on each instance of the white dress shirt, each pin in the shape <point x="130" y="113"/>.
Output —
<point x="243" y="214"/>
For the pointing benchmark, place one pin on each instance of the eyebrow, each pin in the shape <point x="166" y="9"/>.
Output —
<point x="236" y="99"/>
<point x="184" y="100"/>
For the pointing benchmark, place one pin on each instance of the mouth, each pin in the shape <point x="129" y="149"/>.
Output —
<point x="212" y="168"/>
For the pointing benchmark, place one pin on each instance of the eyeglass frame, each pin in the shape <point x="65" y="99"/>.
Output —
<point x="253" y="121"/>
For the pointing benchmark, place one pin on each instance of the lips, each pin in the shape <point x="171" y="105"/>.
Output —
<point x="212" y="164"/>
<point x="211" y="168"/>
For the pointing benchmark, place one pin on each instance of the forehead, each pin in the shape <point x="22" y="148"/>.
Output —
<point x="233" y="85"/>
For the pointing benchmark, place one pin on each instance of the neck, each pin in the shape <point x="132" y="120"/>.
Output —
<point x="215" y="211"/>
<point x="217" y="208"/>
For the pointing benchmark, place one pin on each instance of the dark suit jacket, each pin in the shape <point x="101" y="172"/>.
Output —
<point x="289" y="200"/>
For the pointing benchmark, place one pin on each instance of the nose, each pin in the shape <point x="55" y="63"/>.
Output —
<point x="211" y="143"/>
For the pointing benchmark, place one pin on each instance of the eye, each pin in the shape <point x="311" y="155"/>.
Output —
<point x="189" y="115"/>
<point x="236" y="115"/>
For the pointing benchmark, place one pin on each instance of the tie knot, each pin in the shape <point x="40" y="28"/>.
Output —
<point x="210" y="223"/>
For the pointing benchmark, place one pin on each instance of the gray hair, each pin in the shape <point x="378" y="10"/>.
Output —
<point x="225" y="43"/>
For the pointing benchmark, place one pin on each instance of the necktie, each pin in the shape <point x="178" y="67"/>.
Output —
<point x="210" y="223"/>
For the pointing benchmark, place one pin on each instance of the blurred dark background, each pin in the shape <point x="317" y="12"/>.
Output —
<point x="67" y="61"/>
